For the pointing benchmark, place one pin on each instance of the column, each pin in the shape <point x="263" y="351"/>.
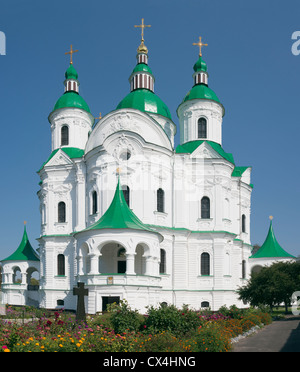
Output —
<point x="94" y="264"/>
<point x="130" y="264"/>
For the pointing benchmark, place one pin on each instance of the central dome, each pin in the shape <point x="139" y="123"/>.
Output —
<point x="146" y="101"/>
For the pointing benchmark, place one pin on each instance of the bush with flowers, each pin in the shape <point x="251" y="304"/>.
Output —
<point x="165" y="328"/>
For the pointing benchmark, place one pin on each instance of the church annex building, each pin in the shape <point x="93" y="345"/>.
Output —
<point x="132" y="216"/>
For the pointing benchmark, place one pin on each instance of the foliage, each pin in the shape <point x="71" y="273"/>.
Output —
<point x="169" y="318"/>
<point x="123" y="318"/>
<point x="272" y="285"/>
<point x="190" y="331"/>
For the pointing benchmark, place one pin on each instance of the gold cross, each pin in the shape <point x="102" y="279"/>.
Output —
<point x="142" y="26"/>
<point x="271" y="218"/>
<point x="71" y="54"/>
<point x="200" y="45"/>
<point x="25" y="222"/>
<point x="100" y="116"/>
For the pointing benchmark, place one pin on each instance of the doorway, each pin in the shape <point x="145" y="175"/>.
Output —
<point x="109" y="300"/>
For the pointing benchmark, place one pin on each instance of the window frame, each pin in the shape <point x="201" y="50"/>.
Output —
<point x="202" y="128"/>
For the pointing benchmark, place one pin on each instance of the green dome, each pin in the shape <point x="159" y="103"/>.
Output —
<point x="71" y="99"/>
<point x="201" y="91"/>
<point x="200" y="65"/>
<point x="71" y="73"/>
<point x="146" y="101"/>
<point x="142" y="67"/>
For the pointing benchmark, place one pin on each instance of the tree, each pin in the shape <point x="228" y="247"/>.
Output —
<point x="273" y="285"/>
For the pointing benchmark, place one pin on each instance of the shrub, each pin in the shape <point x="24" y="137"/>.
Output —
<point x="123" y="318"/>
<point x="169" y="318"/>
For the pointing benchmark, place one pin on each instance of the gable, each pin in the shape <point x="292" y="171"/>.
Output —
<point x="63" y="156"/>
<point x="59" y="158"/>
<point x="190" y="147"/>
<point x="204" y="151"/>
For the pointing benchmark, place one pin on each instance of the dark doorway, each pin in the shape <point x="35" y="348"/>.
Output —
<point x="109" y="300"/>
<point x="121" y="267"/>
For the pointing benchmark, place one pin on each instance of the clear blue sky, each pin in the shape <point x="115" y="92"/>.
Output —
<point x="250" y="64"/>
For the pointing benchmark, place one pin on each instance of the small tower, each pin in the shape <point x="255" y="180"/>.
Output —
<point x="142" y="96"/>
<point x="71" y="120"/>
<point x="17" y="273"/>
<point x="200" y="113"/>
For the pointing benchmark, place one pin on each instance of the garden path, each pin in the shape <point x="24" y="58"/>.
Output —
<point x="279" y="336"/>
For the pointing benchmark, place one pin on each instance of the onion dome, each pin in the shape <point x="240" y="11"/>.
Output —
<point x="71" y="97"/>
<point x="201" y="90"/>
<point x="142" y="96"/>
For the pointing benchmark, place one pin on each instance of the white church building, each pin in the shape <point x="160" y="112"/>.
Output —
<point x="132" y="216"/>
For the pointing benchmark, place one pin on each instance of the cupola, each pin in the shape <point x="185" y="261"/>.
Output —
<point x="200" y="112"/>
<point x="142" y="96"/>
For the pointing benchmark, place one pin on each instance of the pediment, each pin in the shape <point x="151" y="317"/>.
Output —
<point x="60" y="158"/>
<point x="205" y="151"/>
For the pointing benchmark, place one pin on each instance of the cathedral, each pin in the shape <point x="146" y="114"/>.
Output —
<point x="133" y="216"/>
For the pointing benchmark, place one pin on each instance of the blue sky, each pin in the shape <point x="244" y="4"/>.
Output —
<point x="250" y="64"/>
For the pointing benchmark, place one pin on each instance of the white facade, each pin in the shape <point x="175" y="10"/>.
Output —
<point x="197" y="254"/>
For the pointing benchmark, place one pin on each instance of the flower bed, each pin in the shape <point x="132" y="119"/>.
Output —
<point x="163" y="329"/>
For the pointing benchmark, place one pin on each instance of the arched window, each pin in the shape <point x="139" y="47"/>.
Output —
<point x="64" y="135"/>
<point x="126" y="193"/>
<point x="162" y="265"/>
<point x="205" y="207"/>
<point x="94" y="202"/>
<point x="61" y="212"/>
<point x="243" y="269"/>
<point x="243" y="223"/>
<point x="60" y="264"/>
<point x="205" y="264"/>
<point x="204" y="304"/>
<point x="160" y="200"/>
<point x="202" y="128"/>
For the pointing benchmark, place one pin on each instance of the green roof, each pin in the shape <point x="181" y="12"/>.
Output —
<point x="238" y="171"/>
<point x="25" y="252"/>
<point x="72" y="152"/>
<point x="201" y="91"/>
<point x="71" y="73"/>
<point x="190" y="147"/>
<point x="271" y="247"/>
<point x="200" y="65"/>
<point x="119" y="215"/>
<point x="142" y="67"/>
<point x="145" y="101"/>
<point x="71" y="99"/>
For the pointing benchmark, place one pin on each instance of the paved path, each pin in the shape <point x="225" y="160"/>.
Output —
<point x="279" y="336"/>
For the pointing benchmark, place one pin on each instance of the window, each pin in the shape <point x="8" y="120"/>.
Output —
<point x="94" y="202"/>
<point x="60" y="264"/>
<point x="64" y="135"/>
<point x="61" y="212"/>
<point x="162" y="265"/>
<point x="243" y="269"/>
<point x="202" y="128"/>
<point x="205" y="207"/>
<point x="126" y="193"/>
<point x="204" y="304"/>
<point x="205" y="264"/>
<point x="243" y="223"/>
<point x="160" y="200"/>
